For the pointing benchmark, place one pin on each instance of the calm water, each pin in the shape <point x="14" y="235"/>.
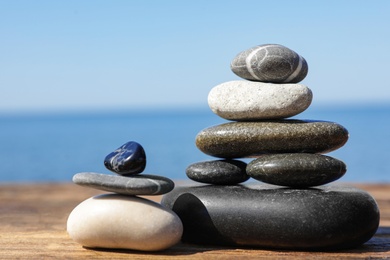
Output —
<point x="55" y="147"/>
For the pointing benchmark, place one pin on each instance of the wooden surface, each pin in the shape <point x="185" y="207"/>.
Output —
<point x="33" y="225"/>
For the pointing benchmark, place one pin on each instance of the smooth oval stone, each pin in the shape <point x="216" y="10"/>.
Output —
<point x="270" y="63"/>
<point x="126" y="222"/>
<point x="144" y="184"/>
<point x="296" y="169"/>
<point x="260" y="215"/>
<point x="128" y="159"/>
<point x="247" y="101"/>
<point x="251" y="139"/>
<point x="220" y="172"/>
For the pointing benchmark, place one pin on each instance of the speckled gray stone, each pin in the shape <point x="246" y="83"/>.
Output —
<point x="251" y="139"/>
<point x="267" y="216"/>
<point x="296" y="169"/>
<point x="246" y="100"/>
<point x="218" y="172"/>
<point x="270" y="63"/>
<point x="144" y="184"/>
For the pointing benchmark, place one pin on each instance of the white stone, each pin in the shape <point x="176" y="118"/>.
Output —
<point x="247" y="100"/>
<point x="126" y="222"/>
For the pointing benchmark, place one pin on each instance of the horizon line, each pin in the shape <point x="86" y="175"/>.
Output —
<point x="171" y="109"/>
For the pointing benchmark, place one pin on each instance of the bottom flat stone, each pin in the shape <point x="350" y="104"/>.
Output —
<point x="258" y="215"/>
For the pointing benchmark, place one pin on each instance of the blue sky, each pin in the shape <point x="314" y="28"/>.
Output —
<point x="94" y="55"/>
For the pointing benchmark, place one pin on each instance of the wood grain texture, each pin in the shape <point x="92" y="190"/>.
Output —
<point x="33" y="225"/>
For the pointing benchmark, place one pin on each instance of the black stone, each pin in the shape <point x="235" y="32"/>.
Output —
<point x="219" y="172"/>
<point x="296" y="169"/>
<point x="128" y="159"/>
<point x="145" y="184"/>
<point x="267" y="216"/>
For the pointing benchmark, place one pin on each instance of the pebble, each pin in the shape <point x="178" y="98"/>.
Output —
<point x="144" y="184"/>
<point x="218" y="172"/>
<point x="248" y="101"/>
<point x="128" y="159"/>
<point x="251" y="139"/>
<point x="296" y="169"/>
<point x="267" y="216"/>
<point x="124" y="222"/>
<point x="270" y="63"/>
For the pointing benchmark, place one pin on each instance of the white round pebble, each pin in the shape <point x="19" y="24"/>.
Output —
<point x="126" y="222"/>
<point x="248" y="100"/>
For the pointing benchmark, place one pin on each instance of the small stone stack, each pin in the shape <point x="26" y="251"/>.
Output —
<point x="122" y="219"/>
<point x="292" y="215"/>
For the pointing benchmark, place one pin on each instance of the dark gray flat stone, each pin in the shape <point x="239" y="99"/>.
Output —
<point x="270" y="63"/>
<point x="267" y="216"/>
<point x="129" y="159"/>
<point x="219" y="172"/>
<point x="144" y="184"/>
<point x="251" y="139"/>
<point x="296" y="169"/>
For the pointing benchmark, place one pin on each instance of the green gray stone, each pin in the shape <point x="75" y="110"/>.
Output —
<point x="297" y="170"/>
<point x="251" y="139"/>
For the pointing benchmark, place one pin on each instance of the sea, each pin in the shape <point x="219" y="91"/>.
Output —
<point x="52" y="147"/>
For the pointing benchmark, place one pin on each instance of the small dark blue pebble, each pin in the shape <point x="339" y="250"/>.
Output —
<point x="129" y="159"/>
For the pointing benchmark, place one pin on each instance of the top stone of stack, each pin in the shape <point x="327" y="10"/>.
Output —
<point x="271" y="63"/>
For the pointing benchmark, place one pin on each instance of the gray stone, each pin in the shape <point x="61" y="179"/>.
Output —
<point x="251" y="139"/>
<point x="219" y="172"/>
<point x="248" y="101"/>
<point x="296" y="169"/>
<point x="267" y="216"/>
<point x="144" y="184"/>
<point x="270" y="63"/>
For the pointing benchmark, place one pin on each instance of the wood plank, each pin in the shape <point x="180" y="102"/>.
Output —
<point x="33" y="225"/>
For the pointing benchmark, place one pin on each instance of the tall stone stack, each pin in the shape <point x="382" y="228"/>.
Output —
<point x="293" y="210"/>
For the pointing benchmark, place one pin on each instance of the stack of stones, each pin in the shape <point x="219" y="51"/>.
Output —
<point x="122" y="219"/>
<point x="298" y="213"/>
